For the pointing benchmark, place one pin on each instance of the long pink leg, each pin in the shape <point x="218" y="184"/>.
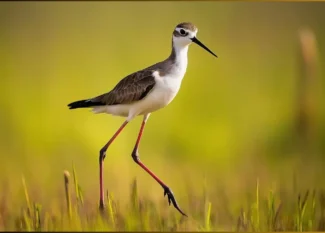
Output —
<point x="102" y="155"/>
<point x="135" y="156"/>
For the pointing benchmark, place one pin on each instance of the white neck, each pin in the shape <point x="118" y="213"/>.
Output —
<point x="179" y="59"/>
<point x="180" y="55"/>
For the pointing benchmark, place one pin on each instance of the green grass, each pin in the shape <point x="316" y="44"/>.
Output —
<point x="268" y="209"/>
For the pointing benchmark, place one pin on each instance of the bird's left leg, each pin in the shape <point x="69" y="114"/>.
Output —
<point x="135" y="156"/>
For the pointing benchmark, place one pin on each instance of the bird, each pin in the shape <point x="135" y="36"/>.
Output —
<point x="142" y="93"/>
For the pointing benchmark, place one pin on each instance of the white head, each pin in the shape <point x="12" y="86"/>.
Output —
<point x="184" y="34"/>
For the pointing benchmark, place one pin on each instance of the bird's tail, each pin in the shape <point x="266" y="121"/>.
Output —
<point x="83" y="104"/>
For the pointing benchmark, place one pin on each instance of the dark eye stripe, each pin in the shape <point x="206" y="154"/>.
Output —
<point x="178" y="34"/>
<point x="183" y="32"/>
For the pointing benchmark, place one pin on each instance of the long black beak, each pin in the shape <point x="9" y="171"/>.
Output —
<point x="196" y="41"/>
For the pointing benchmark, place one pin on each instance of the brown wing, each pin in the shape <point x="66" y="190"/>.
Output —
<point x="131" y="88"/>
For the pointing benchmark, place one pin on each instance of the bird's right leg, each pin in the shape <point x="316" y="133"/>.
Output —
<point x="102" y="155"/>
<point x="135" y="156"/>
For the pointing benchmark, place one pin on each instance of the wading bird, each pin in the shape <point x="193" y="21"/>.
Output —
<point x="142" y="93"/>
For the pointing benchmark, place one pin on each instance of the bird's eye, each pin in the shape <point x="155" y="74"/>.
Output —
<point x="182" y="31"/>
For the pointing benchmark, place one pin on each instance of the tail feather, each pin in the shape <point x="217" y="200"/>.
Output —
<point x="84" y="104"/>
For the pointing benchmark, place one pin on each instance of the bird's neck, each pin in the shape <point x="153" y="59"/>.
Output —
<point x="179" y="56"/>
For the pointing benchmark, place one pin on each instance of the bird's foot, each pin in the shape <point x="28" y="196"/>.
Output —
<point x="171" y="199"/>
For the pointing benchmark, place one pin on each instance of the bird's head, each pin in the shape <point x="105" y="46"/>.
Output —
<point x="185" y="34"/>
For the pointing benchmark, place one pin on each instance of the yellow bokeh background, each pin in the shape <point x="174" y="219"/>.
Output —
<point x="232" y="119"/>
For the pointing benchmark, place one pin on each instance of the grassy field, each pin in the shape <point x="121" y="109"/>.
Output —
<point x="242" y="145"/>
<point x="263" y="204"/>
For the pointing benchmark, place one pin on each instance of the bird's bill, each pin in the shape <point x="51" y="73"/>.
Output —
<point x="196" y="41"/>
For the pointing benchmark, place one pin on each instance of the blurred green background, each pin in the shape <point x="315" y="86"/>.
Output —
<point x="256" y="111"/>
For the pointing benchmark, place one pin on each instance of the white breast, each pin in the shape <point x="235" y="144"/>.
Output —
<point x="161" y="95"/>
<point x="167" y="87"/>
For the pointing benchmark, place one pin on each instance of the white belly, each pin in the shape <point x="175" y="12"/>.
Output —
<point x="161" y="95"/>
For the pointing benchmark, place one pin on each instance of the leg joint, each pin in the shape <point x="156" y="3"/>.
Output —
<point x="102" y="155"/>
<point x="135" y="156"/>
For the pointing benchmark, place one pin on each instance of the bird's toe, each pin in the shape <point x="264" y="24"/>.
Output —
<point x="171" y="199"/>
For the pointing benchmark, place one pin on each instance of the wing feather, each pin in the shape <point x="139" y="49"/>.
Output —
<point x="131" y="88"/>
